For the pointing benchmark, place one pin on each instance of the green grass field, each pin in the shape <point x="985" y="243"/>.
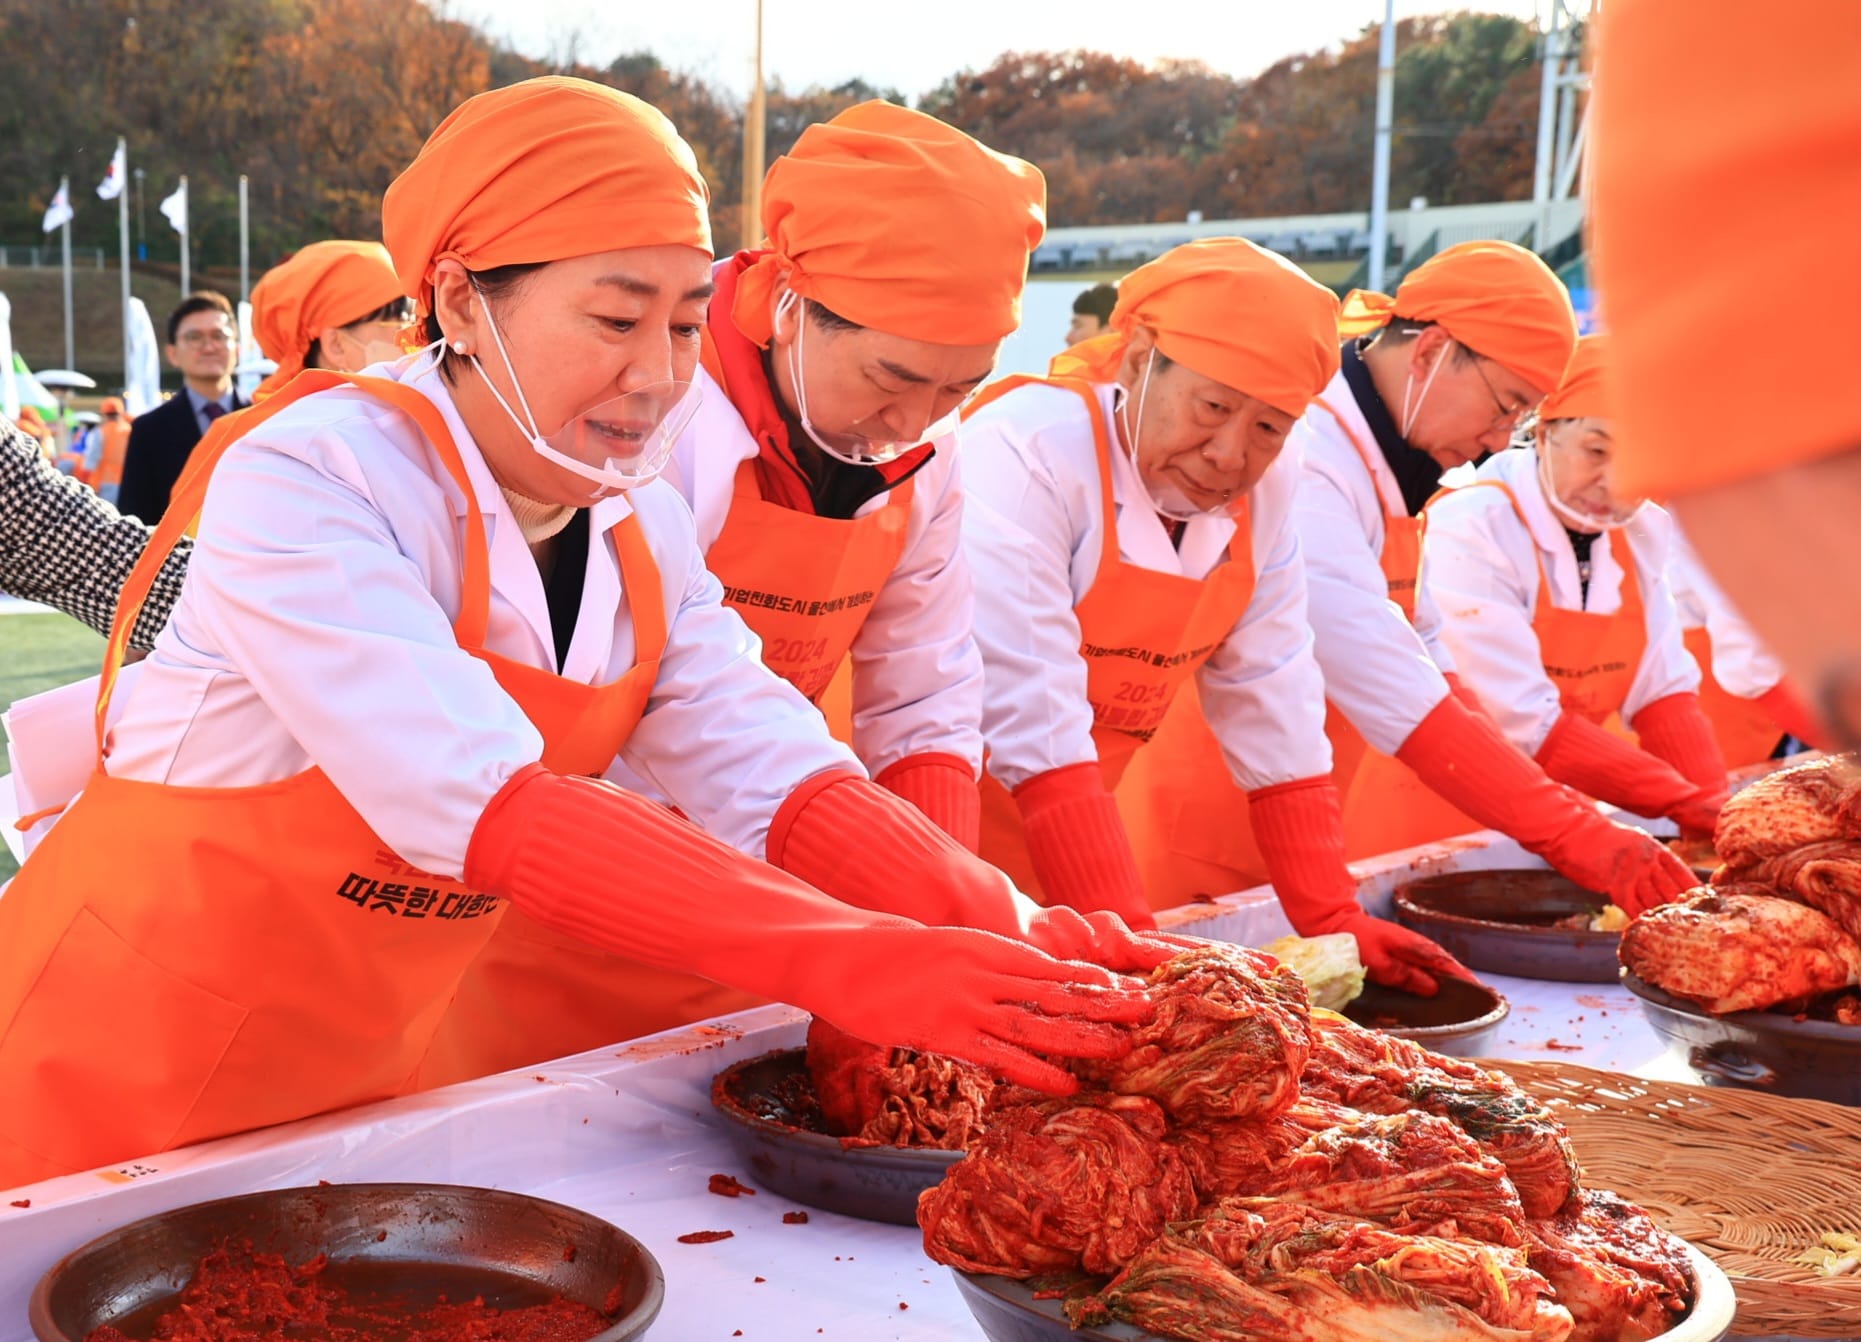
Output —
<point x="41" y="652"/>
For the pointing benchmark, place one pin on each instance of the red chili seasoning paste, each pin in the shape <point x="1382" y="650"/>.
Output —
<point x="240" y="1295"/>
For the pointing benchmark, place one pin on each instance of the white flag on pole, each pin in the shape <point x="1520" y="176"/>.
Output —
<point x="9" y="390"/>
<point x="142" y="359"/>
<point x="174" y="209"/>
<point x="112" y="184"/>
<point x="59" y="212"/>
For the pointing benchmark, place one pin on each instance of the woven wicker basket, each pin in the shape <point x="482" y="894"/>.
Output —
<point x="1752" y="1179"/>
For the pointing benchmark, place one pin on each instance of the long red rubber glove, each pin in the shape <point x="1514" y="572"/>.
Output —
<point x="1677" y="729"/>
<point x="1602" y="765"/>
<point x="865" y="847"/>
<point x="1299" y="828"/>
<point x="1076" y="841"/>
<point x="1789" y="712"/>
<point x="944" y="788"/>
<point x="596" y="862"/>
<point x="1464" y="757"/>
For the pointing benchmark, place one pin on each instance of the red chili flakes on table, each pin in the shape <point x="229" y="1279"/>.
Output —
<point x="380" y="1236"/>
<point x="759" y="1279"/>
<point x="903" y="1305"/>
<point x="1563" y="1048"/>
<point x="726" y="1187"/>
<point x="794" y="1218"/>
<point x="706" y="1236"/>
<point x="1202" y="897"/>
<point x="23" y="1202"/>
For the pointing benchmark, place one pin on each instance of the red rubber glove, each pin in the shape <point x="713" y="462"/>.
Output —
<point x="1602" y="765"/>
<point x="1465" y="758"/>
<point x="1790" y="712"/>
<point x="1463" y="692"/>
<point x="1677" y="730"/>
<point x="856" y="841"/>
<point x="1299" y="828"/>
<point x="944" y="788"/>
<point x="1102" y="939"/>
<point x="593" y="861"/>
<point x="1076" y="840"/>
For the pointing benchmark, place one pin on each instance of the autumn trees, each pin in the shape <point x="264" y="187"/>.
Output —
<point x="322" y="101"/>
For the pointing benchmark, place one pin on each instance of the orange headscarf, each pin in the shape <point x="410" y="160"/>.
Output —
<point x="898" y="222"/>
<point x="1584" y="391"/>
<point x="1496" y="298"/>
<point x="1229" y="310"/>
<point x="542" y="171"/>
<point x="1726" y="184"/>
<point x="325" y="284"/>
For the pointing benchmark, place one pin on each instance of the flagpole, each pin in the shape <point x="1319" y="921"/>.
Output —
<point x="753" y="133"/>
<point x="64" y="232"/>
<point x="189" y="223"/>
<point x="122" y="228"/>
<point x="245" y="253"/>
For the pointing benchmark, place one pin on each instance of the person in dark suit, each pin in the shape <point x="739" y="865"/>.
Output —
<point x="203" y="343"/>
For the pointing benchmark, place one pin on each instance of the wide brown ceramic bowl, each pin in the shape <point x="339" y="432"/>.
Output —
<point x="1503" y="921"/>
<point x="787" y="1152"/>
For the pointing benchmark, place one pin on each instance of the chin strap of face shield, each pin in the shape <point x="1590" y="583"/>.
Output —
<point x="873" y="453"/>
<point x="608" y="476"/>
<point x="1166" y="501"/>
<point x="1575" y="517"/>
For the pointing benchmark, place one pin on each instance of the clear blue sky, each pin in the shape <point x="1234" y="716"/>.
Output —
<point x="912" y="47"/>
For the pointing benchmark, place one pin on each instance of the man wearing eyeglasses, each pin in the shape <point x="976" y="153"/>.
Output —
<point x="203" y="344"/>
<point x="1440" y="375"/>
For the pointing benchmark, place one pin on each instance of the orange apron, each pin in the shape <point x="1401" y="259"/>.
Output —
<point x="1386" y="807"/>
<point x="806" y="583"/>
<point x="1591" y="658"/>
<point x="1746" y="733"/>
<point x="181" y="963"/>
<point x="1142" y="634"/>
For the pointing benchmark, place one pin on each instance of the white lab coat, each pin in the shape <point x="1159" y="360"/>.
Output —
<point x="1034" y="528"/>
<point x="1383" y="673"/>
<point x="1480" y="577"/>
<point x="1741" y="663"/>
<point x="917" y="674"/>
<point x="315" y="629"/>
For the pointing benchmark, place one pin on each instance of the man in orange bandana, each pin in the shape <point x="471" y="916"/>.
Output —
<point x="1727" y="178"/>
<point x="334" y="305"/>
<point x="821" y="467"/>
<point x="1437" y="376"/>
<point x="1130" y="523"/>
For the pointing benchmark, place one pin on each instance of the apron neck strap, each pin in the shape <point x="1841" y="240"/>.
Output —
<point x="1363" y="454"/>
<point x="184" y="511"/>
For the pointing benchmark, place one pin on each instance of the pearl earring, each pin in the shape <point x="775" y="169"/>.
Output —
<point x="458" y="347"/>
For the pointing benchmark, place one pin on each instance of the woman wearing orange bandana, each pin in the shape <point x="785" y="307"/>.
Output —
<point x="427" y="610"/>
<point x="821" y="468"/>
<point x="1129" y="521"/>
<point x="1433" y="378"/>
<point x="1549" y="590"/>
<point x="335" y="305"/>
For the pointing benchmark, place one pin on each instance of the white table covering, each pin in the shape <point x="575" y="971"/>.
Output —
<point x="627" y="1133"/>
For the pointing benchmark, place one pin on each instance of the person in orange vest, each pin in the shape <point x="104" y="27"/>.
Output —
<point x="1756" y="444"/>
<point x="106" y="448"/>
<point x="1130" y="523"/>
<point x="427" y="609"/>
<point x="821" y="471"/>
<point x="1435" y="377"/>
<point x="335" y="305"/>
<point x="1549" y="589"/>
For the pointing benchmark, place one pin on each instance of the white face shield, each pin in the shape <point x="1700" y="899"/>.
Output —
<point x="1165" y="496"/>
<point x="620" y="443"/>
<point x="1574" y="513"/>
<point x="853" y="449"/>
